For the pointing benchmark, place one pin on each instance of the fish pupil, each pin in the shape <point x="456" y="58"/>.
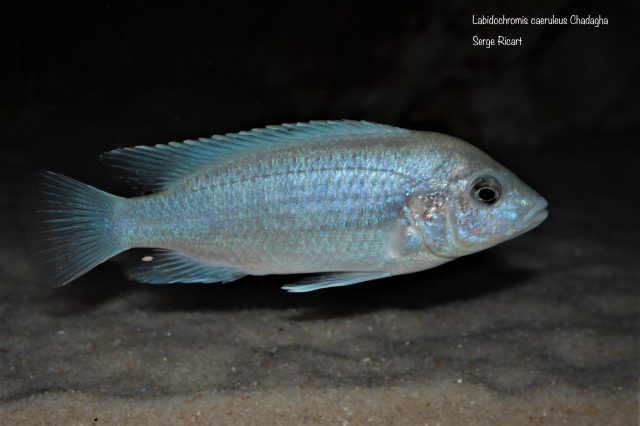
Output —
<point x="488" y="195"/>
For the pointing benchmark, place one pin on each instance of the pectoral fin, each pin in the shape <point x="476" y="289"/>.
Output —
<point x="338" y="279"/>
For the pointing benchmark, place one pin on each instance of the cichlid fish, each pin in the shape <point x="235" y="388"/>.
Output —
<point x="353" y="200"/>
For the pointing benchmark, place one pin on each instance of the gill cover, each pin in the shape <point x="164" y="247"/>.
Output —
<point x="423" y="225"/>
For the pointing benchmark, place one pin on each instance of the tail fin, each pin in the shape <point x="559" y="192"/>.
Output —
<point x="69" y="225"/>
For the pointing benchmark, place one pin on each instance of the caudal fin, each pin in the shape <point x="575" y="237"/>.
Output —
<point x="69" y="225"/>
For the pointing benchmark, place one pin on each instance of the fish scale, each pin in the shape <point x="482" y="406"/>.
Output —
<point x="329" y="197"/>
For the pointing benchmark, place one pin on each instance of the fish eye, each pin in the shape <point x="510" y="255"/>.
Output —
<point x="486" y="190"/>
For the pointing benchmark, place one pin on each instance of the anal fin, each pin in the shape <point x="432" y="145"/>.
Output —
<point x="338" y="279"/>
<point x="167" y="267"/>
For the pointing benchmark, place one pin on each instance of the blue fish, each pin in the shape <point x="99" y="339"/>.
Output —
<point x="349" y="201"/>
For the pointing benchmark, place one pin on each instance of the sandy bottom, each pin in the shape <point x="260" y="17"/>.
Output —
<point x="540" y="330"/>
<point x="439" y="403"/>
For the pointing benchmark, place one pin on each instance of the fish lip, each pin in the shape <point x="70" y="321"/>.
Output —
<point x="537" y="214"/>
<point x="538" y="218"/>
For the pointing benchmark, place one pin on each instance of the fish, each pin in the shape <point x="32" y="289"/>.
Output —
<point x="344" y="201"/>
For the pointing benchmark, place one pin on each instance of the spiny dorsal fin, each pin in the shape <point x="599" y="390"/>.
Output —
<point x="160" y="166"/>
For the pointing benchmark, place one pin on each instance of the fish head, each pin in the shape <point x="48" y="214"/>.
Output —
<point x="478" y="204"/>
<point x="489" y="205"/>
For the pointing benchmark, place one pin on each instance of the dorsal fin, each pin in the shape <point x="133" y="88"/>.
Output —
<point x="156" y="167"/>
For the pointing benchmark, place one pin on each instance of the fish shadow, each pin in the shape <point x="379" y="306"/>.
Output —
<point x="463" y="279"/>
<point x="101" y="286"/>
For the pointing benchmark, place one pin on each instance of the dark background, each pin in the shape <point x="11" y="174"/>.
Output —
<point x="561" y="110"/>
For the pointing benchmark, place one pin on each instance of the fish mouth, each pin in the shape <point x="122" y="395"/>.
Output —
<point x="537" y="214"/>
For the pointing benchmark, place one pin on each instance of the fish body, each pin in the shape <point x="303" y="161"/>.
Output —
<point x="353" y="200"/>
